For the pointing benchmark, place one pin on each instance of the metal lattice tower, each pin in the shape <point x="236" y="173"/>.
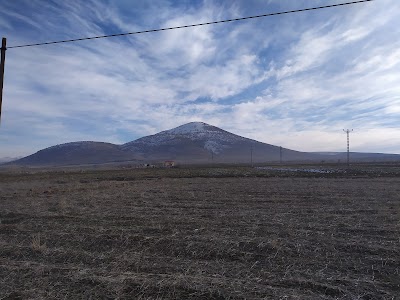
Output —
<point x="348" y="145"/>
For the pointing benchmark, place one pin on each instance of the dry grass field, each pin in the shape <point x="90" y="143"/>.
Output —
<point x="200" y="233"/>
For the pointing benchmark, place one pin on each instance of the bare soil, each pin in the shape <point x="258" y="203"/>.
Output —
<point x="200" y="233"/>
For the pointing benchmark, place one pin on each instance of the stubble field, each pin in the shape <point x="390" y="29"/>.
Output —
<point x="211" y="233"/>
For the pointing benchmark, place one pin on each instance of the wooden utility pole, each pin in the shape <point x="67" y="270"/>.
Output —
<point x="3" y="60"/>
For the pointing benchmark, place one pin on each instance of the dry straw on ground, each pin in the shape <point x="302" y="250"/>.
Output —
<point x="223" y="233"/>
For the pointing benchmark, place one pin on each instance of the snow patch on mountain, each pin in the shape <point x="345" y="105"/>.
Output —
<point x="214" y="147"/>
<point x="212" y="138"/>
<point x="193" y="127"/>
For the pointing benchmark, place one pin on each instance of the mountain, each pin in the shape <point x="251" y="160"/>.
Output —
<point x="76" y="153"/>
<point x="201" y="142"/>
<point x="194" y="142"/>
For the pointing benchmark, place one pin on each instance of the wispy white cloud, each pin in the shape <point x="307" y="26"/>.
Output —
<point x="9" y="14"/>
<point x="296" y="81"/>
<point x="5" y="24"/>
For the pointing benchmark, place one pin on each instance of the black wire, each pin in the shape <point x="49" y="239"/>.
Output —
<point x="192" y="25"/>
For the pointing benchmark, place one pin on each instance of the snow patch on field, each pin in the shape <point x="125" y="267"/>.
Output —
<point x="313" y="170"/>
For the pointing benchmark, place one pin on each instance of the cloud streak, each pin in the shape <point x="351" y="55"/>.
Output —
<point x="296" y="81"/>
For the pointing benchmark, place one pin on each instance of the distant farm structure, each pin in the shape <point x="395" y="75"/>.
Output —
<point x="169" y="163"/>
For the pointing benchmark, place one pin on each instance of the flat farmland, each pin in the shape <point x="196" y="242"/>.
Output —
<point x="211" y="233"/>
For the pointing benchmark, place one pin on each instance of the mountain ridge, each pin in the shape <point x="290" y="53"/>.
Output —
<point x="194" y="142"/>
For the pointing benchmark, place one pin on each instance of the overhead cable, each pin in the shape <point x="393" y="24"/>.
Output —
<point x="191" y="25"/>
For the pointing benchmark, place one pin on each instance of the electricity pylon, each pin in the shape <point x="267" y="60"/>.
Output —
<point x="348" y="145"/>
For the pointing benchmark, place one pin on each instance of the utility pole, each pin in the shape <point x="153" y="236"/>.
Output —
<point x="3" y="60"/>
<point x="348" y="145"/>
<point x="280" y="155"/>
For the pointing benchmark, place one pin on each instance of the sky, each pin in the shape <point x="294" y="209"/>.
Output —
<point x="294" y="80"/>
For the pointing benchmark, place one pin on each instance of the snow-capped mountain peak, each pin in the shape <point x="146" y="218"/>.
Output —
<point x="192" y="127"/>
<point x="211" y="138"/>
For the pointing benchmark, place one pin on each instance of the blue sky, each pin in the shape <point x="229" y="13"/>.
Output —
<point x="294" y="80"/>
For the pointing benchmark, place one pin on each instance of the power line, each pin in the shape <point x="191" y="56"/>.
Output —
<point x="192" y="25"/>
